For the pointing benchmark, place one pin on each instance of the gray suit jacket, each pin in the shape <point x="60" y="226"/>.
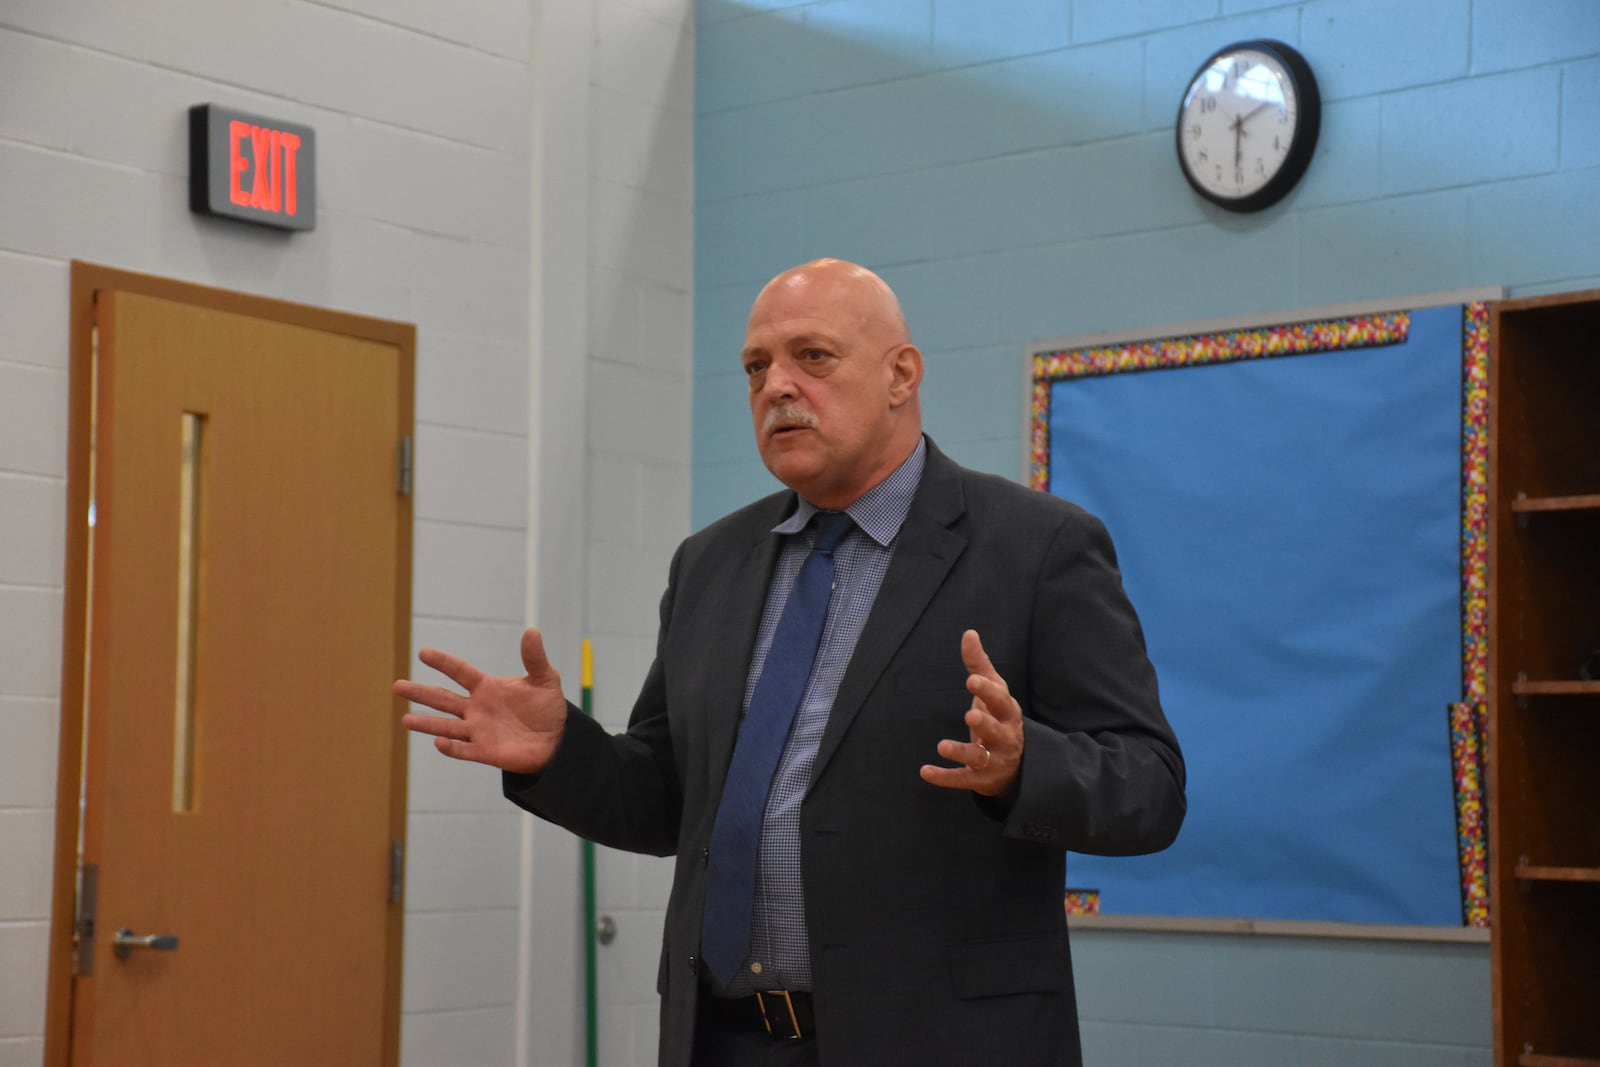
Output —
<point x="935" y="916"/>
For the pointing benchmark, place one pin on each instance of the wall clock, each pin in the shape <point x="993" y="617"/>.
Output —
<point x="1248" y="124"/>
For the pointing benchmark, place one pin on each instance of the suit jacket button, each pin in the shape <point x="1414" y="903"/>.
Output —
<point x="694" y="965"/>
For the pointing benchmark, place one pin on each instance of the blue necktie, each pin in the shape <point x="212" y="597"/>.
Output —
<point x="731" y="866"/>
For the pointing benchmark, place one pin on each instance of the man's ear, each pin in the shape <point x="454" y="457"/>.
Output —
<point x="905" y="369"/>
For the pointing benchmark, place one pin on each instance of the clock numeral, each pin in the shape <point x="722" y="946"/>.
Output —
<point x="1208" y="104"/>
<point x="1204" y="156"/>
<point x="1238" y="177"/>
<point x="1261" y="166"/>
<point x="1277" y="145"/>
<point x="1194" y="131"/>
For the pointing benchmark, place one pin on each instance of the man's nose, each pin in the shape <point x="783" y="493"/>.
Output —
<point x="779" y="382"/>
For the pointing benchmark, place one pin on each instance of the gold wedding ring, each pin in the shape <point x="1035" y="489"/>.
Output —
<point x="987" y="756"/>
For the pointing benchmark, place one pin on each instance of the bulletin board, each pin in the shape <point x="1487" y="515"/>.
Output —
<point x="1299" y="511"/>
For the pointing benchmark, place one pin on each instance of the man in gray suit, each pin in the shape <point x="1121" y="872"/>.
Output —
<point x="842" y="896"/>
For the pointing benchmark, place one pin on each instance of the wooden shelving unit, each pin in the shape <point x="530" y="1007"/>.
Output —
<point x="1544" y="733"/>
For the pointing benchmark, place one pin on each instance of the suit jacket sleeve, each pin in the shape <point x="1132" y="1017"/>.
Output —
<point x="1101" y="770"/>
<point x="617" y="790"/>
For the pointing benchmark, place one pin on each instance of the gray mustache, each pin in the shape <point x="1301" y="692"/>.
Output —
<point x="787" y="415"/>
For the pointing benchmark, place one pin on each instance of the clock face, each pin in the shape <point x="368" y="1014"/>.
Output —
<point x="1248" y="124"/>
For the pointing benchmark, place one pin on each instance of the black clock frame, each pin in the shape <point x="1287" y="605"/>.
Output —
<point x="1308" y="104"/>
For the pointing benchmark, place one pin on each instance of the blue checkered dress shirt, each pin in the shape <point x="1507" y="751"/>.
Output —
<point x="778" y="929"/>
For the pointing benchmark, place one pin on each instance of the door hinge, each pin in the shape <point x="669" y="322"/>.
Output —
<point x="405" y="465"/>
<point x="83" y="921"/>
<point x="397" y="871"/>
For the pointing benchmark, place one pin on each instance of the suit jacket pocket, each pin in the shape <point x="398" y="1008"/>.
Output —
<point x="1001" y="966"/>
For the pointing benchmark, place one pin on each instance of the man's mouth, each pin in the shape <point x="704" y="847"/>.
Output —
<point x="783" y="423"/>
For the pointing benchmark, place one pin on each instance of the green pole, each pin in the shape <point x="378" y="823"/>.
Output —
<point x="591" y="1007"/>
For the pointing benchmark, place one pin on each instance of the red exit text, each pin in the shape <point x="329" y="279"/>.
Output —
<point x="261" y="165"/>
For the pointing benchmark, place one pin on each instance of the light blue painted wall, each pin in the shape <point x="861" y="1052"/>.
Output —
<point x="1007" y="165"/>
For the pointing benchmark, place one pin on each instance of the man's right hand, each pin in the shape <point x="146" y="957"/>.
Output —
<point x="511" y="723"/>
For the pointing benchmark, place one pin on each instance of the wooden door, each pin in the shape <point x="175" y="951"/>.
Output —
<point x="248" y="606"/>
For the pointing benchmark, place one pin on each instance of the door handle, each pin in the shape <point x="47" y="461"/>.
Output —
<point x="124" y="941"/>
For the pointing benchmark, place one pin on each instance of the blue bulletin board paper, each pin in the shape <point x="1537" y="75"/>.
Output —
<point x="1289" y="530"/>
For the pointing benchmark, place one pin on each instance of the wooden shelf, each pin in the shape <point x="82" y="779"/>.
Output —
<point x="1528" y="872"/>
<point x="1556" y="503"/>
<point x="1531" y="688"/>
<point x="1545" y="1059"/>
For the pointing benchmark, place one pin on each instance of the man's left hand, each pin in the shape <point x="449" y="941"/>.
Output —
<point x="991" y="759"/>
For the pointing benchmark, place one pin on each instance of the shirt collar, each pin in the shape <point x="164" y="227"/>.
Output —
<point x="882" y="510"/>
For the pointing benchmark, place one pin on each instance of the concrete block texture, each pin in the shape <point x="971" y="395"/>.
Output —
<point x="33" y="304"/>
<point x="22" y="946"/>
<point x="1098" y="20"/>
<point x="1507" y="34"/>
<point x="637" y="413"/>
<point x="301" y="51"/>
<point x="640" y="55"/>
<point x="33" y="521"/>
<point x="1358" y="47"/>
<point x="981" y="31"/>
<point x="28" y="759"/>
<point x="1580" y="115"/>
<point x="1478" y="130"/>
<point x="639" y="231"/>
<point x="472" y="382"/>
<point x="21" y="1051"/>
<point x="1536" y="230"/>
<point x="471" y="960"/>
<point x="471" y="1037"/>
<point x="467" y="572"/>
<point x="27" y="840"/>
<point x="813" y="48"/>
<point x="30" y="631"/>
<point x="463" y="861"/>
<point x="472" y="477"/>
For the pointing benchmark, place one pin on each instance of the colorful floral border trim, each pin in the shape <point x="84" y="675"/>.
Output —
<point x="1466" y="757"/>
<point x="1475" y="502"/>
<point x="1083" y="902"/>
<point x="1467" y="719"/>
<point x="1294" y="339"/>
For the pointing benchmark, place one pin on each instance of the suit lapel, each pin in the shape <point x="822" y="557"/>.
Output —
<point x="731" y="638"/>
<point x="924" y="552"/>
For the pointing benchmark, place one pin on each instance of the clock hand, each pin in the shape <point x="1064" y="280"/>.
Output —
<point x="1253" y="112"/>
<point x="1238" y="132"/>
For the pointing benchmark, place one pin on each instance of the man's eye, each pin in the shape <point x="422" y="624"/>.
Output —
<point x="812" y="355"/>
<point x="754" y="367"/>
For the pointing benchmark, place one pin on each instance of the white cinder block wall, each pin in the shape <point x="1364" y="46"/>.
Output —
<point x="614" y="281"/>
<point x="640" y="285"/>
<point x="449" y="197"/>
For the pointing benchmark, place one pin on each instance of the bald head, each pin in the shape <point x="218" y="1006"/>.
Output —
<point x="850" y="288"/>
<point x="833" y="380"/>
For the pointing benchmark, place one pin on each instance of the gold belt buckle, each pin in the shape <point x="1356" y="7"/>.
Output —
<point x="788" y="1002"/>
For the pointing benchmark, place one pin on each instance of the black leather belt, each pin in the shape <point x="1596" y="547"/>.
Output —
<point x="782" y="1014"/>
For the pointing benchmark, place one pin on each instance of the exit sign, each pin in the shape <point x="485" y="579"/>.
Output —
<point x="251" y="168"/>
